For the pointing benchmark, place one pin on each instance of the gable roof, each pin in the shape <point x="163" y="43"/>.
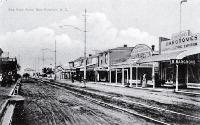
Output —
<point x="78" y="59"/>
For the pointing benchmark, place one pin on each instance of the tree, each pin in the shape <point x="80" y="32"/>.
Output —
<point x="18" y="67"/>
<point x="44" y="70"/>
<point x="47" y="70"/>
<point x="26" y="75"/>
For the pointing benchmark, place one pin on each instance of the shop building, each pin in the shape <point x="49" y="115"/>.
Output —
<point x="76" y="68"/>
<point x="179" y="60"/>
<point x="92" y="62"/>
<point x="107" y="58"/>
<point x="129" y="72"/>
<point x="63" y="72"/>
<point x="118" y="65"/>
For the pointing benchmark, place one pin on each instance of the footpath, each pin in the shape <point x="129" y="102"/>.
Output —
<point x="5" y="93"/>
<point x="163" y="95"/>
<point x="158" y="97"/>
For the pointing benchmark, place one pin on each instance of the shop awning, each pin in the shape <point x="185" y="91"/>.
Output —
<point x="91" y="67"/>
<point x="188" y="53"/>
<point x="128" y="63"/>
<point x="162" y="57"/>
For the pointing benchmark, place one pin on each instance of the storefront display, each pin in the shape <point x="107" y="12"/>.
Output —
<point x="179" y="63"/>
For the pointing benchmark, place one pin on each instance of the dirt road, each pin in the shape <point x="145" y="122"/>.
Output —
<point x="47" y="105"/>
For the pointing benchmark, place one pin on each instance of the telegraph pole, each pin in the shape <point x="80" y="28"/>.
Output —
<point x="42" y="58"/>
<point x="85" y="20"/>
<point x="55" y="61"/>
<point x="180" y="19"/>
<point x="38" y="68"/>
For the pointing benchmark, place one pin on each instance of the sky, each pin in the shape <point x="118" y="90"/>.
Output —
<point x="27" y="27"/>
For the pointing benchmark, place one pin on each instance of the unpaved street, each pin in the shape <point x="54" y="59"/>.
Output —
<point x="47" y="105"/>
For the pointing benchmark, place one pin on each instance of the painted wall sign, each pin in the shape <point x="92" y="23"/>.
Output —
<point x="181" y="43"/>
<point x="141" y="51"/>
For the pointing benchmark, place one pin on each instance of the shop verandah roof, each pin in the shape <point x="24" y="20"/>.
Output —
<point x="128" y="63"/>
<point x="169" y="56"/>
<point x="158" y="58"/>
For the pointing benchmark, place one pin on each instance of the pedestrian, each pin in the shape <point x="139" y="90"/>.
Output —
<point x="4" y="79"/>
<point x="144" y="81"/>
<point x="9" y="79"/>
<point x="72" y="78"/>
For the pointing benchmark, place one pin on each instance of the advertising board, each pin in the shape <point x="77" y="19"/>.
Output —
<point x="185" y="42"/>
<point x="141" y="51"/>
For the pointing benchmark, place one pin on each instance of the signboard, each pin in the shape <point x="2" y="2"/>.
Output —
<point x="181" y="43"/>
<point x="182" y="61"/>
<point x="78" y="63"/>
<point x="101" y="69"/>
<point x="181" y="34"/>
<point x="28" y="70"/>
<point x="141" y="51"/>
<point x="7" y="59"/>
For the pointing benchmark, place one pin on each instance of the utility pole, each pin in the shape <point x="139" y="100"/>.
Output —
<point x="19" y="61"/>
<point x="42" y="58"/>
<point x="85" y="20"/>
<point x="38" y="64"/>
<point x="55" y="60"/>
<point x="85" y="49"/>
<point x="35" y="64"/>
<point x="180" y="19"/>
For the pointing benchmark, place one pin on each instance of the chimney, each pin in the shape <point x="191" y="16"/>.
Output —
<point x="153" y="47"/>
<point x="125" y="45"/>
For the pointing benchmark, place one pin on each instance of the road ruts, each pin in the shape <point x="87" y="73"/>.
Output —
<point x="153" y="112"/>
<point x="47" y="105"/>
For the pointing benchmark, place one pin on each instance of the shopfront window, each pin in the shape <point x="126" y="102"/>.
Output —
<point x="194" y="73"/>
<point x="194" y="69"/>
<point x="147" y="71"/>
<point x="170" y="74"/>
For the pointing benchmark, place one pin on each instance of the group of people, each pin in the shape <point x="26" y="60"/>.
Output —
<point x="8" y="78"/>
<point x="77" y="77"/>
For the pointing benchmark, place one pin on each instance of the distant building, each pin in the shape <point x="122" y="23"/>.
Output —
<point x="1" y="52"/>
<point x="8" y="68"/>
<point x="107" y="59"/>
<point x="76" y="66"/>
<point x="7" y="64"/>
<point x="116" y="65"/>
<point x="29" y="71"/>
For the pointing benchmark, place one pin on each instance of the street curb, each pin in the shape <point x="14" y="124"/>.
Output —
<point x="12" y="90"/>
<point x="3" y="106"/>
<point x="191" y="93"/>
<point x="147" y="89"/>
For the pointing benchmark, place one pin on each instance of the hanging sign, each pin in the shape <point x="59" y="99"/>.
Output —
<point x="182" y="61"/>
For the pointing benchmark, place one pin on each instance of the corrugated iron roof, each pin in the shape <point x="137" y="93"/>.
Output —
<point x="161" y="57"/>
